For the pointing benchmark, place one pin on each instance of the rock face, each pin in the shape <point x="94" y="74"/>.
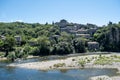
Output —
<point x="114" y="34"/>
<point x="114" y="38"/>
<point x="109" y="37"/>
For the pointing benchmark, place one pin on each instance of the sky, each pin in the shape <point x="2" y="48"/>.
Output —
<point x="98" y="12"/>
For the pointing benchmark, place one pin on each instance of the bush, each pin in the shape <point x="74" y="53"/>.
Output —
<point x="82" y="62"/>
<point x="20" y="53"/>
<point x="102" y="60"/>
<point x="59" y="65"/>
<point x="34" y="51"/>
<point x="11" y="56"/>
<point x="62" y="48"/>
<point x="40" y="51"/>
<point x="43" y="51"/>
<point x="108" y="37"/>
<point x="79" y="45"/>
<point x="43" y="47"/>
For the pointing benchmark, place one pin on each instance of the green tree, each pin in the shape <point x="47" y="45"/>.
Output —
<point x="108" y="37"/>
<point x="1" y="44"/>
<point x="79" y="45"/>
<point x="43" y="45"/>
<point x="9" y="43"/>
<point x="65" y="37"/>
<point x="62" y="48"/>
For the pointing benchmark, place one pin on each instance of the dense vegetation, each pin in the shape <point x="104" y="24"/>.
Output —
<point x="36" y="39"/>
<point x="47" y="39"/>
<point x="109" y="37"/>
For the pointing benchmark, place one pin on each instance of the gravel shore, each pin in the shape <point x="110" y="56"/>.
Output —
<point x="69" y="63"/>
<point x="72" y="62"/>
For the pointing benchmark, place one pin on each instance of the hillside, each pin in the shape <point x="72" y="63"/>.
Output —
<point x="19" y="39"/>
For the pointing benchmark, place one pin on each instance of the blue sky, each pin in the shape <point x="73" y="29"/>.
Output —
<point x="98" y="12"/>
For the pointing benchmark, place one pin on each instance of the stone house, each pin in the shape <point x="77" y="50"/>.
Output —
<point x="93" y="46"/>
<point x="73" y="32"/>
<point x="82" y="31"/>
<point x="64" y="29"/>
<point x="68" y="29"/>
<point x="74" y="28"/>
<point x="18" y="39"/>
<point x="91" y="31"/>
<point x="87" y="36"/>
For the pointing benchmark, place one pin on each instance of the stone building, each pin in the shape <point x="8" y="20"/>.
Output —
<point x="82" y="31"/>
<point x="73" y="32"/>
<point x="64" y="30"/>
<point x="93" y="46"/>
<point x="18" y="39"/>
<point x="87" y="36"/>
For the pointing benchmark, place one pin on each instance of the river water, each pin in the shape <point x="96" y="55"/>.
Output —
<point x="10" y="73"/>
<point x="13" y="73"/>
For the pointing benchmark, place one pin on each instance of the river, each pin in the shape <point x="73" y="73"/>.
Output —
<point x="14" y="73"/>
<point x="10" y="73"/>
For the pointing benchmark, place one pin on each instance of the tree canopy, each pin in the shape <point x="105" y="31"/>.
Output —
<point x="109" y="37"/>
<point x="47" y="39"/>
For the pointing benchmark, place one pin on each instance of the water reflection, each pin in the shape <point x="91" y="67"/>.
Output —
<point x="8" y="73"/>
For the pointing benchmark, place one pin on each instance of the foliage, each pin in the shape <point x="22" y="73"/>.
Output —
<point x="8" y="45"/>
<point x="102" y="60"/>
<point x="21" y="52"/>
<point x="82" y="62"/>
<point x="1" y="44"/>
<point x="59" y="65"/>
<point x="79" y="45"/>
<point x="49" y="40"/>
<point x="65" y="37"/>
<point x="11" y="56"/>
<point x="108" y="37"/>
<point x="62" y="48"/>
<point x="34" y="51"/>
<point x="43" y="46"/>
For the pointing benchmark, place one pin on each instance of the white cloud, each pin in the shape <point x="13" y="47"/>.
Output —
<point x="19" y="20"/>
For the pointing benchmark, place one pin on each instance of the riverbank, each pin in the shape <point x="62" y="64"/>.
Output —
<point x="76" y="62"/>
<point x="86" y="61"/>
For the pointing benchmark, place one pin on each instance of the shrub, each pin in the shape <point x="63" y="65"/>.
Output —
<point x="62" y="48"/>
<point x="73" y="59"/>
<point x="34" y="51"/>
<point x="59" y="65"/>
<point x="79" y="45"/>
<point x="20" y="53"/>
<point x="11" y="56"/>
<point x="102" y="60"/>
<point x="82" y="62"/>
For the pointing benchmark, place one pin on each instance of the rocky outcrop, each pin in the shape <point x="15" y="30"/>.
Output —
<point x="114" y="34"/>
<point x="109" y="37"/>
